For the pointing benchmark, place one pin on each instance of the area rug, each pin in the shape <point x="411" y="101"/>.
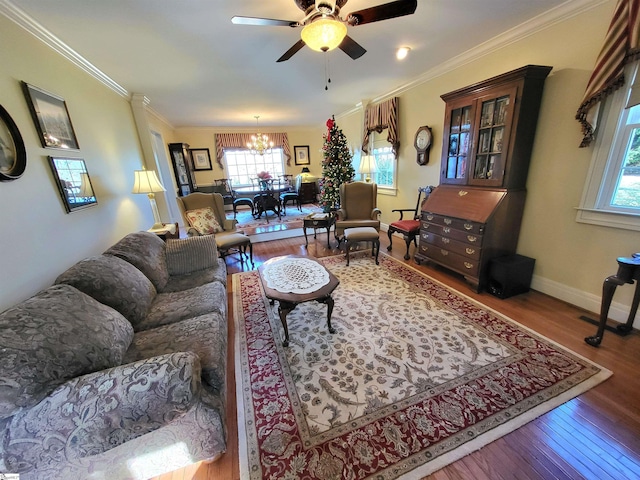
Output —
<point x="293" y="218"/>
<point x="416" y="376"/>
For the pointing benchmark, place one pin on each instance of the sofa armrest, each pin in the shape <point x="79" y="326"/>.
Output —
<point x="96" y="412"/>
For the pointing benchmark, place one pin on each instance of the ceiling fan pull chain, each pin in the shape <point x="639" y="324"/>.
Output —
<point x="326" y="72"/>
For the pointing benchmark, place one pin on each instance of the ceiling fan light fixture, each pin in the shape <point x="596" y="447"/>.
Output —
<point x="324" y="34"/>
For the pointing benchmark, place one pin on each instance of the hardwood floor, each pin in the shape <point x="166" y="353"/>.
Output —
<point x="593" y="436"/>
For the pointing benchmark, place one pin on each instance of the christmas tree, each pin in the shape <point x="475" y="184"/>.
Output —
<point x="336" y="166"/>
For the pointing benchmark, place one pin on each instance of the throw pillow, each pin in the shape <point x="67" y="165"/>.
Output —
<point x="188" y="255"/>
<point x="204" y="221"/>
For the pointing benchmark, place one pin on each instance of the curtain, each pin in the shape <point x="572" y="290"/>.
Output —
<point x="379" y="116"/>
<point x="621" y="46"/>
<point x="240" y="140"/>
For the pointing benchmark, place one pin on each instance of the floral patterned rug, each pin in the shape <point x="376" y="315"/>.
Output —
<point x="293" y="219"/>
<point x="416" y="376"/>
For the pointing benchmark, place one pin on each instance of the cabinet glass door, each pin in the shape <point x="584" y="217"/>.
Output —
<point x="458" y="145"/>
<point x="490" y="150"/>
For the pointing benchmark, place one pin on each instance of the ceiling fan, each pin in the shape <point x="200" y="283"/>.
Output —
<point x="324" y="29"/>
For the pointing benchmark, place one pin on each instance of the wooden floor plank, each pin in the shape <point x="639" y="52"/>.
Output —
<point x="605" y="417"/>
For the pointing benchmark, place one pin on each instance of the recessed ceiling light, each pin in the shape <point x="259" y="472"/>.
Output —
<point x="402" y="53"/>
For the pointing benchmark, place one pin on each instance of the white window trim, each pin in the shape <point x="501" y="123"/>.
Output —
<point x="378" y="141"/>
<point x="609" y="124"/>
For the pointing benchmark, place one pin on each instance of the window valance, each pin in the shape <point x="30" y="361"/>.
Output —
<point x="621" y="46"/>
<point x="240" y="140"/>
<point x="379" y="116"/>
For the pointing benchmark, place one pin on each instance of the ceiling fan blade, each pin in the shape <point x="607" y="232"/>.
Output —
<point x="399" y="8"/>
<point x="292" y="51"/>
<point x="352" y="48"/>
<point x="263" y="22"/>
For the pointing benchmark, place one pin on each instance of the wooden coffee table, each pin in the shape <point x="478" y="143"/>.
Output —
<point x="303" y="274"/>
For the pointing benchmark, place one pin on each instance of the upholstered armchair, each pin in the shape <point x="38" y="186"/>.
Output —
<point x="204" y="214"/>
<point x="358" y="207"/>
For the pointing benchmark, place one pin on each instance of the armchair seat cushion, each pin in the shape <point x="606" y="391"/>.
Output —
<point x="406" y="226"/>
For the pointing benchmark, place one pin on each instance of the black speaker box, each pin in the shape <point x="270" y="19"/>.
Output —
<point x="510" y="275"/>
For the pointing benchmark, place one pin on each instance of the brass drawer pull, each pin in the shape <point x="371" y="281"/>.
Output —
<point x="468" y="265"/>
<point x="425" y="226"/>
<point x="462" y="193"/>
<point x="468" y="226"/>
<point x="472" y="238"/>
<point x="447" y="221"/>
<point x="445" y="240"/>
<point x="444" y="253"/>
<point x="429" y="217"/>
<point x="470" y="251"/>
<point x="446" y="229"/>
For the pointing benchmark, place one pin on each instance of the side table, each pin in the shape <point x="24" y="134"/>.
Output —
<point x="168" y="230"/>
<point x="315" y="221"/>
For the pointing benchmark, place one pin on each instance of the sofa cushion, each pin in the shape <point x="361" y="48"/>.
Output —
<point x="147" y="252"/>
<point x="171" y="307"/>
<point x="188" y="255"/>
<point x="114" y="282"/>
<point x="204" y="220"/>
<point x="205" y="335"/>
<point x="52" y="337"/>
<point x="217" y="273"/>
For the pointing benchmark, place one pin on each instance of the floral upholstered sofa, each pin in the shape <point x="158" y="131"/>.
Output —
<point x="119" y="369"/>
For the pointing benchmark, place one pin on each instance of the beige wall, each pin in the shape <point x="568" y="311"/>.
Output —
<point x="572" y="259"/>
<point x="39" y="238"/>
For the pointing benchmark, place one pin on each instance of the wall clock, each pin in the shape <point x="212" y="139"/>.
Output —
<point x="13" y="156"/>
<point x="423" y="144"/>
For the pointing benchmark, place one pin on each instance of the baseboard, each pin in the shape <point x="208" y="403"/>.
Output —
<point x="588" y="301"/>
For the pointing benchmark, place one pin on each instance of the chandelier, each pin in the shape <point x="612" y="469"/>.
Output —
<point x="259" y="144"/>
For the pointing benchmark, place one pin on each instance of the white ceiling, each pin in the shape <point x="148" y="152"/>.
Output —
<point x="199" y="69"/>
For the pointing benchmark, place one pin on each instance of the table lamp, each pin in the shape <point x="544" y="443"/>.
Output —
<point x="146" y="181"/>
<point x="367" y="166"/>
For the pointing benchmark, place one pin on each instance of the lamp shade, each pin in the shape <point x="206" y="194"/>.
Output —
<point x="306" y="170"/>
<point x="324" y="34"/>
<point x="368" y="165"/>
<point x="146" y="181"/>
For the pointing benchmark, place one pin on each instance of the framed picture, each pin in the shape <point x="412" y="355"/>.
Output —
<point x="13" y="155"/>
<point x="301" y="153"/>
<point x="201" y="159"/>
<point x="73" y="182"/>
<point x="51" y="117"/>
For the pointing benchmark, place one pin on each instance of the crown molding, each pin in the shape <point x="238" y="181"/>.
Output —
<point x="545" y="20"/>
<point x="20" y="18"/>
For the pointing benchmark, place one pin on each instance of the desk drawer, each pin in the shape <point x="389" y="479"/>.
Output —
<point x="454" y="223"/>
<point x="459" y="263"/>
<point x="465" y="249"/>
<point x="449" y="232"/>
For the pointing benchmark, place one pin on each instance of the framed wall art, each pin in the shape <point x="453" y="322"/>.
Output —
<point x="73" y="182"/>
<point x="301" y="153"/>
<point x="51" y="118"/>
<point x="201" y="159"/>
<point x="13" y="155"/>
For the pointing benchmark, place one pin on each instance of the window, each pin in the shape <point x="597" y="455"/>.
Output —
<point x="612" y="193"/>
<point x="385" y="175"/>
<point x="242" y="166"/>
